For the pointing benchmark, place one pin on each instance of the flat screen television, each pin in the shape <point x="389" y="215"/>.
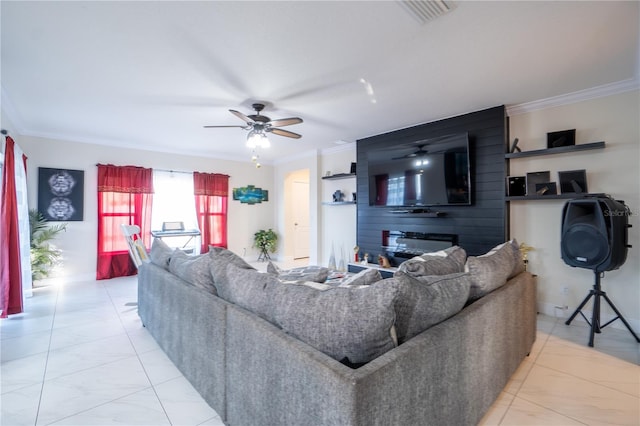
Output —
<point x="429" y="172"/>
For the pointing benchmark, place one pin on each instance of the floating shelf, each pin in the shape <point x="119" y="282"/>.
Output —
<point x="414" y="214"/>
<point x="558" y="150"/>
<point x="338" y="203"/>
<point x="339" y="176"/>
<point x="551" y="197"/>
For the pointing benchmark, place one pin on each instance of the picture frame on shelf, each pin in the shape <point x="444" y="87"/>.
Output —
<point x="516" y="186"/>
<point x="546" y="188"/>
<point x="573" y="181"/>
<point x="534" y="178"/>
<point x="561" y="138"/>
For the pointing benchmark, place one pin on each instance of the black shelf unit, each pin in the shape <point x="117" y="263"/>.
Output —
<point x="549" y="151"/>
<point x="558" y="150"/>
<point x="339" y="176"/>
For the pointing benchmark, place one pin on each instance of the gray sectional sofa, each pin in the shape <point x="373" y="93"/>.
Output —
<point x="254" y="373"/>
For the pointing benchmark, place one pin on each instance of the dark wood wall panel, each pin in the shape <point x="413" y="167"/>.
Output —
<point x="480" y="226"/>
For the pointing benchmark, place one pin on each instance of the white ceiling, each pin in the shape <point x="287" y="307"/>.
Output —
<point x="149" y="75"/>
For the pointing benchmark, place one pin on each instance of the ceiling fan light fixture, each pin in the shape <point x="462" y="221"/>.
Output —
<point x="257" y="139"/>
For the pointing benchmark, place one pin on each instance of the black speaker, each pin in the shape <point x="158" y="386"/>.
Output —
<point x="594" y="233"/>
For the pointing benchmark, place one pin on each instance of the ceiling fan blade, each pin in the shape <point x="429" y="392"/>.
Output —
<point x="286" y="133"/>
<point x="241" y="116"/>
<point x="285" y="121"/>
<point x="209" y="127"/>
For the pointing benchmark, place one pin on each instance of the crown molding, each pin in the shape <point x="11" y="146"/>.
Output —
<point x="579" y="96"/>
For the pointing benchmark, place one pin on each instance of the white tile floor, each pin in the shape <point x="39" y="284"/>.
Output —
<point x="80" y="356"/>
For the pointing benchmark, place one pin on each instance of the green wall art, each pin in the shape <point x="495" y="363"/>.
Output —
<point x="250" y="194"/>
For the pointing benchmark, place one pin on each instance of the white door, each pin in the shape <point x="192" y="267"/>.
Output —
<point x="301" y="228"/>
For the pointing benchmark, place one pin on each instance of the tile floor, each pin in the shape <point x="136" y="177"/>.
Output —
<point x="80" y="356"/>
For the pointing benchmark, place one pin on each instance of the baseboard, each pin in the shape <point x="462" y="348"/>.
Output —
<point x="556" y="312"/>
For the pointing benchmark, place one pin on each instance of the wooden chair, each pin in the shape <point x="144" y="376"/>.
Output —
<point x="137" y="250"/>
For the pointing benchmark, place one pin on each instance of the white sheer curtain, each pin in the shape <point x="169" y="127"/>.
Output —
<point x="23" y="223"/>
<point x="173" y="199"/>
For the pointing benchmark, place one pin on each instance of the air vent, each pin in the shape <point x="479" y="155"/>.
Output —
<point x="424" y="11"/>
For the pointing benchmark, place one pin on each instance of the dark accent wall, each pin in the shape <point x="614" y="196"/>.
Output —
<point x="479" y="226"/>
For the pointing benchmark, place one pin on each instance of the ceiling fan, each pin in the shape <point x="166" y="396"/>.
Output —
<point x="259" y="125"/>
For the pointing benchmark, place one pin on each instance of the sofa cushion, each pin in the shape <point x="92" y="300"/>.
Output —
<point x="352" y="325"/>
<point x="443" y="262"/>
<point x="318" y="274"/>
<point x="491" y="270"/>
<point x="220" y="258"/>
<point x="160" y="253"/>
<point x="427" y="301"/>
<point x="193" y="269"/>
<point x="249" y="289"/>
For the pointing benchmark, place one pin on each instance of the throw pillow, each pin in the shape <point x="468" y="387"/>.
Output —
<point x="518" y="262"/>
<point x="193" y="269"/>
<point x="220" y="258"/>
<point x="318" y="274"/>
<point x="249" y="289"/>
<point x="365" y="277"/>
<point x="352" y="325"/>
<point x="427" y="301"/>
<point x="443" y="262"/>
<point x="490" y="271"/>
<point x="160" y="253"/>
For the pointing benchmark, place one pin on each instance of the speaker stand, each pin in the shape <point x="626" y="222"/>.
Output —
<point x="597" y="293"/>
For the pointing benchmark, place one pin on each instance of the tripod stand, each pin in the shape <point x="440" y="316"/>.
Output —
<point x="597" y="293"/>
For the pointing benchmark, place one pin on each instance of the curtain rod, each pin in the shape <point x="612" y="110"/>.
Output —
<point x="172" y="171"/>
<point x="165" y="170"/>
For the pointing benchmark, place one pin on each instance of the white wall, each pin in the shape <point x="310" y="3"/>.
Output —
<point x="613" y="170"/>
<point x="337" y="222"/>
<point x="79" y="243"/>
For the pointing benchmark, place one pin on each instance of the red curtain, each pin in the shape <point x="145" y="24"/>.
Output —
<point x="212" y="193"/>
<point x="125" y="194"/>
<point x="10" y="268"/>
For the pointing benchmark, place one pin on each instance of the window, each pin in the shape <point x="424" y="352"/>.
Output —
<point x="125" y="195"/>
<point x="173" y="199"/>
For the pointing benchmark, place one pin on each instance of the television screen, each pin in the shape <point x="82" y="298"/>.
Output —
<point x="430" y="172"/>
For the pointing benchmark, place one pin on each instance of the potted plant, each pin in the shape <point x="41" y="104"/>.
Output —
<point x="266" y="242"/>
<point x="43" y="256"/>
